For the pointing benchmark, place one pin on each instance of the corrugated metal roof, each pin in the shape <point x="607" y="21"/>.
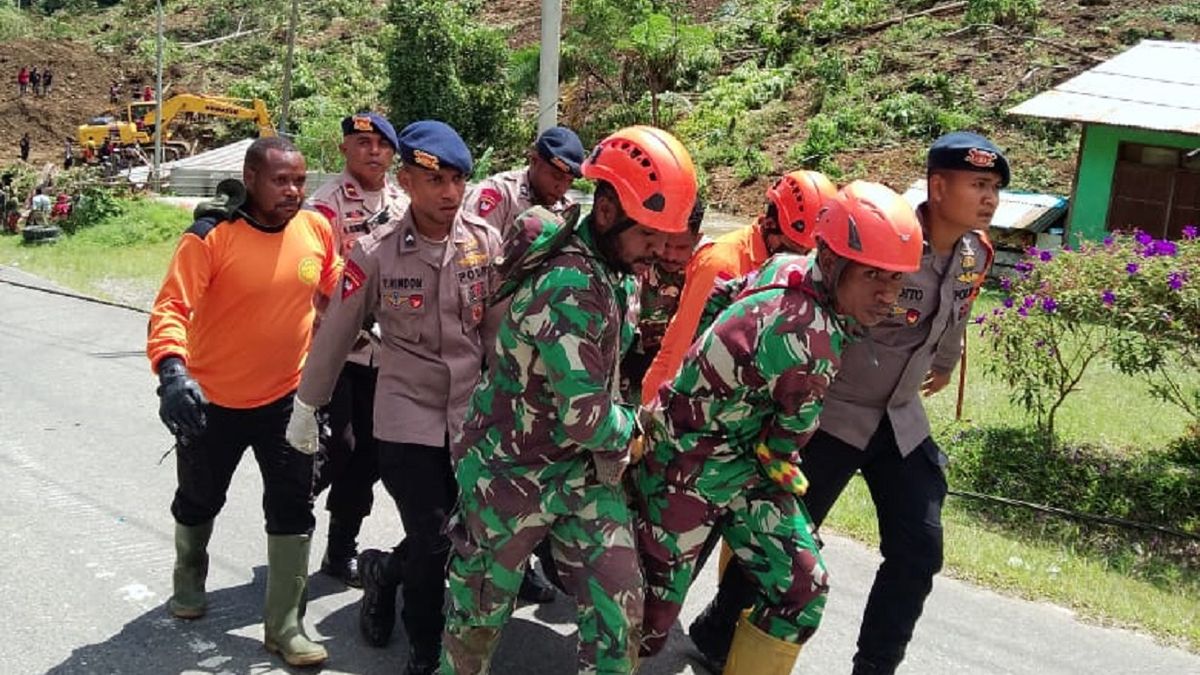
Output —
<point x="1154" y="85"/>
<point x="225" y="158"/>
<point x="1029" y="211"/>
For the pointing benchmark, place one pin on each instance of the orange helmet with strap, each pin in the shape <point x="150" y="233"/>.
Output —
<point x="870" y="224"/>
<point x="652" y="174"/>
<point x="798" y="198"/>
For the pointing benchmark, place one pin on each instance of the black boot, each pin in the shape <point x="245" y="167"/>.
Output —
<point x="423" y="659"/>
<point x="377" y="613"/>
<point x="863" y="666"/>
<point x="712" y="631"/>
<point x="341" y="552"/>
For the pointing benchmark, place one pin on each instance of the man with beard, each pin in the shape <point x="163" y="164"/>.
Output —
<point x="547" y="438"/>
<point x="729" y="431"/>
<point x="227" y="337"/>
<point x="425" y="276"/>
<point x="553" y="164"/>
<point x="356" y="202"/>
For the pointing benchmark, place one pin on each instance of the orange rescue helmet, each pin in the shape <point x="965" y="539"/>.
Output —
<point x="870" y="224"/>
<point x="798" y="197"/>
<point x="652" y="174"/>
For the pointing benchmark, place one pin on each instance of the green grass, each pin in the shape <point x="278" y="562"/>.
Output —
<point x="121" y="258"/>
<point x="1034" y="568"/>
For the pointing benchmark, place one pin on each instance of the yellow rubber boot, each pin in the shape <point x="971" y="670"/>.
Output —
<point x="756" y="653"/>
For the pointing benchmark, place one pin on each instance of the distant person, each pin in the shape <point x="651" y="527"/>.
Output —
<point x="148" y="94"/>
<point x="40" y="207"/>
<point x="62" y="207"/>
<point x="22" y="80"/>
<point x="24" y="144"/>
<point x="47" y="81"/>
<point x="68" y="153"/>
<point x="35" y="79"/>
<point x="114" y="93"/>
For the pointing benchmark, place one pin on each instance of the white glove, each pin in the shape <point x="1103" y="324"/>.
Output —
<point x="302" y="430"/>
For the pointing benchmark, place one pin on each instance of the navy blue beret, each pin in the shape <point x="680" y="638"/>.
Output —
<point x="434" y="145"/>
<point x="369" y="121"/>
<point x="561" y="147"/>
<point x="967" y="151"/>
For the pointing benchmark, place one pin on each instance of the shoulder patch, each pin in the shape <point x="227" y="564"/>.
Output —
<point x="489" y="199"/>
<point x="352" y="278"/>
<point x="202" y="226"/>
<point x="325" y="210"/>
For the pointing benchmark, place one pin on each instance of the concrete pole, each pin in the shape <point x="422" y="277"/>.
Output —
<point x="548" y="65"/>
<point x="287" y="70"/>
<point x="158" y="101"/>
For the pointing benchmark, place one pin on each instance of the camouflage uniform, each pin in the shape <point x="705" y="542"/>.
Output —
<point x="660" y="291"/>
<point x="542" y="417"/>
<point x="727" y="434"/>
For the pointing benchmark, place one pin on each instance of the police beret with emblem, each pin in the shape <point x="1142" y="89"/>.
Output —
<point x="967" y="151"/>
<point x="434" y="145"/>
<point x="369" y="121"/>
<point x="562" y="148"/>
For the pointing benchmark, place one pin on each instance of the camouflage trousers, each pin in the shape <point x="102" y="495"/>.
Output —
<point x="684" y="497"/>
<point x="499" y="521"/>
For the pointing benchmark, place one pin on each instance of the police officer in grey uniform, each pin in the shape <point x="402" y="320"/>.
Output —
<point x="874" y="419"/>
<point x="351" y="201"/>
<point x="425" y="276"/>
<point x="554" y="162"/>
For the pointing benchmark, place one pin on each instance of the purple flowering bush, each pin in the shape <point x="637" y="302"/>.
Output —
<point x="1132" y="300"/>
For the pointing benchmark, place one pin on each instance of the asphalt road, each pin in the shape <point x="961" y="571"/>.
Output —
<point x="86" y="547"/>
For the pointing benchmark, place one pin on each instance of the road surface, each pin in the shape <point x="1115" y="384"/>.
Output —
<point x="86" y="547"/>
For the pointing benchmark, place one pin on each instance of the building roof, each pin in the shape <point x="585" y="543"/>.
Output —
<point x="1029" y="211"/>
<point x="1154" y="85"/>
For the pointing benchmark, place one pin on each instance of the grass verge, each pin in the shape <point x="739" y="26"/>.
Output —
<point x="1042" y="569"/>
<point x="122" y="258"/>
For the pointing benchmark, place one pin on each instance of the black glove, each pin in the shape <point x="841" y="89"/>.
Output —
<point x="181" y="403"/>
<point x="229" y="197"/>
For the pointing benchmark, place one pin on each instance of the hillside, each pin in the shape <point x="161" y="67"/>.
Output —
<point x="770" y="85"/>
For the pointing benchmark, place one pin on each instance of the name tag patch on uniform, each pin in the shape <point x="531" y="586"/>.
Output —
<point x="471" y="274"/>
<point x="403" y="283"/>
<point x="962" y="293"/>
<point x="352" y="278"/>
<point x="912" y="293"/>
<point x="489" y="199"/>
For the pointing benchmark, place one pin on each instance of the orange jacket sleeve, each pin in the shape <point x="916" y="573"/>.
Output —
<point x="188" y="277"/>
<point x="697" y="285"/>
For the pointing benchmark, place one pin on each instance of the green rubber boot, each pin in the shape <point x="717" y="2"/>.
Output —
<point x="191" y="569"/>
<point x="287" y="579"/>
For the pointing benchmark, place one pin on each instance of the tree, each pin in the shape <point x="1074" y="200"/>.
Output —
<point x="444" y="65"/>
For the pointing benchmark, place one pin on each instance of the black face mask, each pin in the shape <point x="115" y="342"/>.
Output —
<point x="606" y="243"/>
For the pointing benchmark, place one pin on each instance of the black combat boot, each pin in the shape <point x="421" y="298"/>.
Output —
<point x="341" y="551"/>
<point x="377" y="613"/>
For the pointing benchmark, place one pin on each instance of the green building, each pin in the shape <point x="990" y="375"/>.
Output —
<point x="1139" y="158"/>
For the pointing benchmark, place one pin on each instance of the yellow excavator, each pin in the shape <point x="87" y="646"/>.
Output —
<point x="137" y="129"/>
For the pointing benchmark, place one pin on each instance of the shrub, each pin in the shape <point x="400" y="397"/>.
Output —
<point x="1016" y="13"/>
<point x="444" y="64"/>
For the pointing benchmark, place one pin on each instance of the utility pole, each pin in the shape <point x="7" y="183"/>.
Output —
<point x="287" y="69"/>
<point x="158" y="125"/>
<point x="548" y="65"/>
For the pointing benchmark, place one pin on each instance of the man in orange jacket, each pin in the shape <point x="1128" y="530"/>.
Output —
<point x="792" y="206"/>
<point x="227" y="337"/>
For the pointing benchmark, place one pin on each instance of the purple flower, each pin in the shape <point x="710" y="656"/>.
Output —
<point x="1108" y="241"/>
<point x="1143" y="238"/>
<point x="1190" y="232"/>
<point x="1032" y="251"/>
<point x="1175" y="280"/>
<point x="1008" y="302"/>
<point x="1049" y="305"/>
<point x="1029" y="301"/>
<point x="1132" y="268"/>
<point x="980" y="319"/>
<point x="1045" y="256"/>
<point x="1162" y="247"/>
<point x="1108" y="297"/>
<point x="1024" y="268"/>
<point x="1005" y="283"/>
<point x="1023" y="311"/>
